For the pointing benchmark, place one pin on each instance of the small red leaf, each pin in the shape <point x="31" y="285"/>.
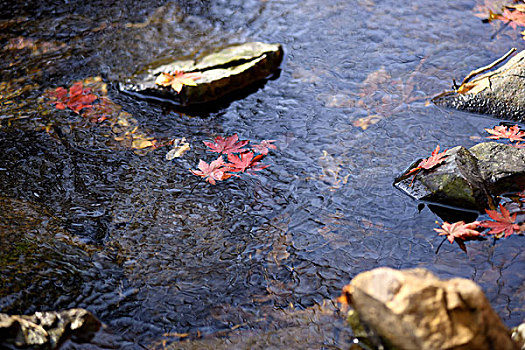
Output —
<point x="503" y="224"/>
<point x="227" y="145"/>
<point x="501" y="132"/>
<point x="459" y="230"/>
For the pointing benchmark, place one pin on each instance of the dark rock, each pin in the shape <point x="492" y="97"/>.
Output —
<point x="502" y="92"/>
<point x="413" y="309"/>
<point x="468" y="178"/>
<point x="232" y="68"/>
<point x="47" y="330"/>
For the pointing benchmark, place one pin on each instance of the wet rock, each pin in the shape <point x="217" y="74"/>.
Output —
<point x="518" y="335"/>
<point x="499" y="93"/>
<point x="47" y="330"/>
<point x="232" y="68"/>
<point x="468" y="178"/>
<point x="413" y="309"/>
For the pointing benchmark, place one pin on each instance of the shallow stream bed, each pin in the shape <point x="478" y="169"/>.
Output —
<point x="88" y="221"/>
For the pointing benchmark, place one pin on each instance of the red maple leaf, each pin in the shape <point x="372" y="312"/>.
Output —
<point x="435" y="159"/>
<point x="458" y="230"/>
<point x="227" y="145"/>
<point x="245" y="161"/>
<point x="177" y="79"/>
<point x="501" y="132"/>
<point x="264" y="147"/>
<point x="513" y="18"/>
<point x="77" y="99"/>
<point x="215" y="171"/>
<point x="503" y="223"/>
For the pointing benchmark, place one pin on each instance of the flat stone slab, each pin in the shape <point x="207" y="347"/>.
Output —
<point x="227" y="70"/>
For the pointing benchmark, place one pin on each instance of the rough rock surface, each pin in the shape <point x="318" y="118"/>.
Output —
<point x="503" y="97"/>
<point x="232" y="68"/>
<point x="518" y="335"/>
<point x="469" y="178"/>
<point x="47" y="330"/>
<point x="413" y="309"/>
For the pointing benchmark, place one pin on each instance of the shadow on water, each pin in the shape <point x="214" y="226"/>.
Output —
<point x="162" y="257"/>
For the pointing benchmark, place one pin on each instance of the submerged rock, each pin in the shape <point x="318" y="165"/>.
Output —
<point x="413" y="309"/>
<point x="468" y="178"/>
<point x="500" y="93"/>
<point x="232" y="68"/>
<point x="47" y="330"/>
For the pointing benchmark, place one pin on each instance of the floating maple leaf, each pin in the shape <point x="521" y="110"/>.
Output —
<point x="434" y="160"/>
<point x="77" y="99"/>
<point x="227" y="145"/>
<point x="458" y="230"/>
<point x="501" y="132"/>
<point x="245" y="161"/>
<point x="513" y="18"/>
<point x="503" y="222"/>
<point x="215" y="171"/>
<point x="177" y="79"/>
<point x="264" y="147"/>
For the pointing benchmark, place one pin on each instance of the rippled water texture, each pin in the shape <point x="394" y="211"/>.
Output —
<point x="86" y="221"/>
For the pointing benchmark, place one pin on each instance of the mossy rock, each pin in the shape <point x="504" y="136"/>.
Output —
<point x="468" y="178"/>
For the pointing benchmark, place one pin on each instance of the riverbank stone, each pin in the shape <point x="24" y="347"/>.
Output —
<point x="413" y="309"/>
<point x="468" y="178"/>
<point x="226" y="70"/>
<point x="500" y="93"/>
<point x="47" y="330"/>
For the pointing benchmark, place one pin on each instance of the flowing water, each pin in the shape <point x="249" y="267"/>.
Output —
<point x="157" y="254"/>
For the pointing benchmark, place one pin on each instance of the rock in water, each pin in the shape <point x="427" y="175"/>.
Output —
<point x="413" y="309"/>
<point x="500" y="93"/>
<point x="468" y="178"/>
<point x="230" y="69"/>
<point x="47" y="330"/>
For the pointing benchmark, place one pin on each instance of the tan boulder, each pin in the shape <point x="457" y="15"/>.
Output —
<point x="413" y="309"/>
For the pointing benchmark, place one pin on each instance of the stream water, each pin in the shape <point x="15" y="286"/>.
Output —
<point x="156" y="253"/>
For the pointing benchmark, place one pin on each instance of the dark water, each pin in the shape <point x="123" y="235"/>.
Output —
<point x="139" y="241"/>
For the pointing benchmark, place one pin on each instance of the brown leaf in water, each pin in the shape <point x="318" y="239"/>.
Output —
<point x="365" y="122"/>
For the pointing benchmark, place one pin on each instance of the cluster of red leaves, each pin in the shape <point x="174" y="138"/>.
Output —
<point x="513" y="134"/>
<point x="502" y="225"/>
<point x="76" y="99"/>
<point x="246" y="160"/>
<point x="434" y="160"/>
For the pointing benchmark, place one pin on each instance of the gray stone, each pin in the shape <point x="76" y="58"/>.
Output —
<point x="468" y="178"/>
<point x="47" y="330"/>
<point x="227" y="70"/>
<point x="413" y="309"/>
<point x="502" y="95"/>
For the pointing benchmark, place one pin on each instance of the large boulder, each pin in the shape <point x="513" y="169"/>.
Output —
<point x="413" y="309"/>
<point x="47" y="330"/>
<point x="499" y="93"/>
<point x="224" y="71"/>
<point x="468" y="178"/>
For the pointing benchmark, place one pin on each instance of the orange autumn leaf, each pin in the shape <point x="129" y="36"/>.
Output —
<point x="177" y="79"/>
